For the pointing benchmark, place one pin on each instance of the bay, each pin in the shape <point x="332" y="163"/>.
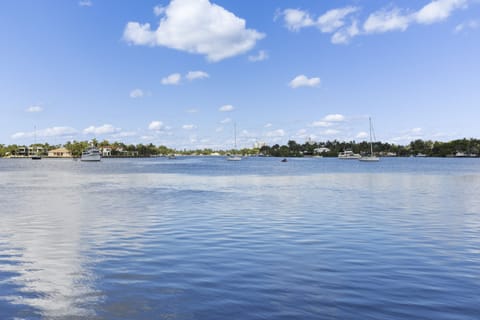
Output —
<point x="205" y="238"/>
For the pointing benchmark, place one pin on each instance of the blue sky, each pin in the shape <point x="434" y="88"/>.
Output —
<point x="182" y="72"/>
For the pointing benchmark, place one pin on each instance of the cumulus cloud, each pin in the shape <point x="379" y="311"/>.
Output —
<point x="383" y="21"/>
<point x="188" y="126"/>
<point x="334" y="19"/>
<point x="226" y="120"/>
<point x="48" y="132"/>
<point x="304" y="81"/>
<point x="296" y="19"/>
<point x="158" y="10"/>
<point x="344" y="35"/>
<point x="438" y="10"/>
<point x="226" y="108"/>
<point x="268" y="125"/>
<point x="172" y="79"/>
<point x="334" y="117"/>
<point x="136" y="93"/>
<point x="104" y="129"/>
<point x="34" y="109"/>
<point x="194" y="75"/>
<point x="260" y="56"/>
<point x="156" y="126"/>
<point x="196" y="26"/>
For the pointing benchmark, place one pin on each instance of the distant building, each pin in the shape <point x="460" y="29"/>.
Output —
<point x="106" y="151"/>
<point x="259" y="144"/>
<point x="321" y="150"/>
<point x="60" y="153"/>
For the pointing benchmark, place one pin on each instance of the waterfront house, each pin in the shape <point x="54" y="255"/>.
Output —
<point x="60" y="153"/>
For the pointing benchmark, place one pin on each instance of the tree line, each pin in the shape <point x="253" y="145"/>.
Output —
<point x="459" y="147"/>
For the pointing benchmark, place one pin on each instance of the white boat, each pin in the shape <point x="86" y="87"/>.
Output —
<point x="349" y="155"/>
<point x="91" y="154"/>
<point x="371" y="157"/>
<point x="234" y="157"/>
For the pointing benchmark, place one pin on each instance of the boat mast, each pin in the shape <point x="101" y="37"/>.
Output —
<point x="371" y="143"/>
<point x="235" y="134"/>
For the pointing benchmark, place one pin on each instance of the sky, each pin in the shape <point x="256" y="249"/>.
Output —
<point x="190" y="74"/>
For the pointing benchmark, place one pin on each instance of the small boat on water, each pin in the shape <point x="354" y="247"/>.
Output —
<point x="371" y="157"/>
<point x="234" y="157"/>
<point x="348" y="155"/>
<point x="91" y="154"/>
<point x="283" y="160"/>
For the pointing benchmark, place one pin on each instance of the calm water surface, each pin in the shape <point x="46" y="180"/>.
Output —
<point x="205" y="238"/>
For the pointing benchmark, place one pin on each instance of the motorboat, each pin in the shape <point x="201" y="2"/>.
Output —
<point x="349" y="155"/>
<point x="91" y="154"/>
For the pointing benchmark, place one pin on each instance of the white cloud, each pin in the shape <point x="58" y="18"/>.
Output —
<point x="334" y="19"/>
<point x="471" y="24"/>
<point x="156" y="126"/>
<point x="34" y="109"/>
<point x="188" y="126"/>
<point x="136" y="93"/>
<point x="303" y="81"/>
<point x="124" y="134"/>
<point x="268" y="125"/>
<point x="334" y="118"/>
<point x="383" y="21"/>
<point x="344" y="35"/>
<point x="172" y="79"/>
<point x="276" y="133"/>
<point x="321" y="124"/>
<point x="361" y="135"/>
<point x="438" y="10"/>
<point x="194" y="75"/>
<point x="296" y="19"/>
<point x="193" y="110"/>
<point x="48" y="132"/>
<point x="260" y="56"/>
<point x="330" y="21"/>
<point x="226" y="120"/>
<point x="219" y="129"/>
<point x="104" y="129"/>
<point x="226" y="108"/>
<point x="196" y="26"/>
<point x="85" y="3"/>
<point x="158" y="10"/>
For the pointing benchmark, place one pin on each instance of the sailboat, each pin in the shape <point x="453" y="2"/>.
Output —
<point x="371" y="157"/>
<point x="234" y="157"/>
<point x="35" y="156"/>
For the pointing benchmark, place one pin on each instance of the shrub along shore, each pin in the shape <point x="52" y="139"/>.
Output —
<point x="455" y="148"/>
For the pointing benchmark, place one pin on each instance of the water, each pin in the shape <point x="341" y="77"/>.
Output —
<point x="205" y="238"/>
